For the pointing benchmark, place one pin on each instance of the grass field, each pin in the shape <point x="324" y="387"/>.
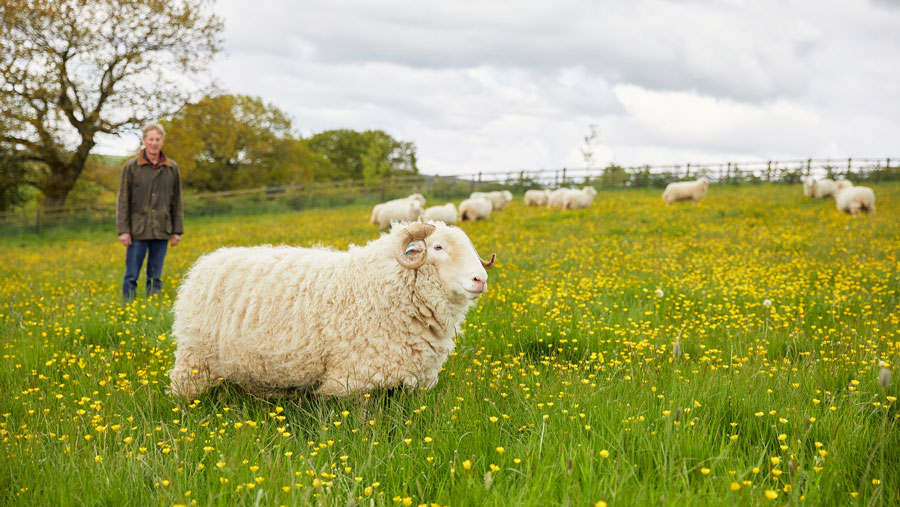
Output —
<point x="567" y="387"/>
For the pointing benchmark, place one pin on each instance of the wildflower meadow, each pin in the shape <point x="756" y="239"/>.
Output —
<point x="739" y="351"/>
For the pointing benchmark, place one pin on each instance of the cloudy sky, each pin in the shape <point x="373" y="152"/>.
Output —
<point x="509" y="85"/>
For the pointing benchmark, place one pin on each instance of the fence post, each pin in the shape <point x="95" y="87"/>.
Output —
<point x="479" y="181"/>
<point x="728" y="173"/>
<point x="849" y="165"/>
<point x="564" y="176"/>
<point x="688" y="174"/>
<point x="808" y="166"/>
<point x="522" y="179"/>
<point x="769" y="172"/>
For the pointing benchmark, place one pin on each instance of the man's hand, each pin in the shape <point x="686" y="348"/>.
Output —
<point x="125" y="239"/>
<point x="174" y="239"/>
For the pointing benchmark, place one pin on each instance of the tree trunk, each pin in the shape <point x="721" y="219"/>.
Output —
<point x="54" y="201"/>
<point x="64" y="174"/>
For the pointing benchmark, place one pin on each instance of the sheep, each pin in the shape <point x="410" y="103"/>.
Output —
<point x="818" y="188"/>
<point x="853" y="200"/>
<point x="684" y="190"/>
<point x="407" y="208"/>
<point x="577" y="199"/>
<point x="446" y="213"/>
<point x="555" y="199"/>
<point x="536" y="197"/>
<point x="499" y="199"/>
<point x="273" y="319"/>
<point x="808" y="184"/>
<point x="475" y="208"/>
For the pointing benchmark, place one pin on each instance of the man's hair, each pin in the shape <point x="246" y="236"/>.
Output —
<point x="153" y="126"/>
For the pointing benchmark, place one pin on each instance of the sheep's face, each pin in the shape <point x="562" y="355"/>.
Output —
<point x="460" y="268"/>
<point x="450" y="251"/>
<point x="842" y="184"/>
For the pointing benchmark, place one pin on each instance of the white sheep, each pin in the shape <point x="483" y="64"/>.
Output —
<point x="685" y="190"/>
<point x="555" y="199"/>
<point x="808" y="184"/>
<point x="499" y="199"/>
<point x="853" y="200"/>
<point x="397" y="210"/>
<point x="475" y="208"/>
<point x="272" y="319"/>
<point x="579" y="199"/>
<point x="446" y="213"/>
<point x="536" y="197"/>
<point x="819" y="189"/>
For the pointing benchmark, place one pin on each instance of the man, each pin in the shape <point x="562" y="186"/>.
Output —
<point x="149" y="212"/>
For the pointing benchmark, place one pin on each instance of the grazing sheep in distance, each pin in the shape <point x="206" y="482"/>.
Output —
<point x="536" y="197"/>
<point x="818" y="188"/>
<point x="340" y="323"/>
<point x="446" y="213"/>
<point x="853" y="200"/>
<point x="808" y="185"/>
<point x="579" y="199"/>
<point x="499" y="199"/>
<point x="685" y="190"/>
<point x="407" y="208"/>
<point x="476" y="208"/>
<point x="555" y="199"/>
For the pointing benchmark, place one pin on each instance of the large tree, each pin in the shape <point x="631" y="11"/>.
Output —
<point x="367" y="155"/>
<point x="73" y="69"/>
<point x="235" y="141"/>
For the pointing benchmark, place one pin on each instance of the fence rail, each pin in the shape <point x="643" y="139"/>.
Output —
<point x="306" y="195"/>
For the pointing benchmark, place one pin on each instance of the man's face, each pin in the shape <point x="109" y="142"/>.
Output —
<point x="153" y="142"/>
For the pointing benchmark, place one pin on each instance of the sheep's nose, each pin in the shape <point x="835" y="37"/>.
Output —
<point x="478" y="283"/>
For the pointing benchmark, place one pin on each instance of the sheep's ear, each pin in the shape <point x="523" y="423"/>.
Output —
<point x="416" y="247"/>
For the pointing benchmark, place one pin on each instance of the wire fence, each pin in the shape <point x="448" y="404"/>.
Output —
<point x="330" y="194"/>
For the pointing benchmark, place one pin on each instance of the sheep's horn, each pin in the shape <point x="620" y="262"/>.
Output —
<point x="414" y="232"/>
<point x="489" y="264"/>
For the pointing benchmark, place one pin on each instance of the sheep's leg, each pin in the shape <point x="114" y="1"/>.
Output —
<point x="342" y="387"/>
<point x="189" y="377"/>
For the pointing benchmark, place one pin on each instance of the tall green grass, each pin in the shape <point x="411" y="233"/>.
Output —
<point x="565" y="389"/>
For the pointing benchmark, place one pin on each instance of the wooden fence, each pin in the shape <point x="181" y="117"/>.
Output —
<point x="327" y="194"/>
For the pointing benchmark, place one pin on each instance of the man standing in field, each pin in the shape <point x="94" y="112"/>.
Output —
<point x="148" y="215"/>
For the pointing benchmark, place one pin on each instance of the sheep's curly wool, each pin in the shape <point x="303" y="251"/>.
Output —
<point x="340" y="322"/>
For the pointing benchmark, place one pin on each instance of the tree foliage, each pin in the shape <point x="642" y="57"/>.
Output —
<point x="235" y="141"/>
<point x="73" y="69"/>
<point x="368" y="155"/>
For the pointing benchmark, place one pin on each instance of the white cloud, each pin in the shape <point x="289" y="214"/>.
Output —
<point x="500" y="85"/>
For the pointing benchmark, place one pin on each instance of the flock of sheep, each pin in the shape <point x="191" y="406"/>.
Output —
<point x="478" y="206"/>
<point x="847" y="197"/>
<point x="383" y="315"/>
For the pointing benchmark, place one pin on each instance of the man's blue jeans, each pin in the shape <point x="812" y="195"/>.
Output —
<point x="134" y="258"/>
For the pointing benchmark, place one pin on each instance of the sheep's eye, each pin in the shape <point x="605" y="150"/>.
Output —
<point x="438" y="247"/>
